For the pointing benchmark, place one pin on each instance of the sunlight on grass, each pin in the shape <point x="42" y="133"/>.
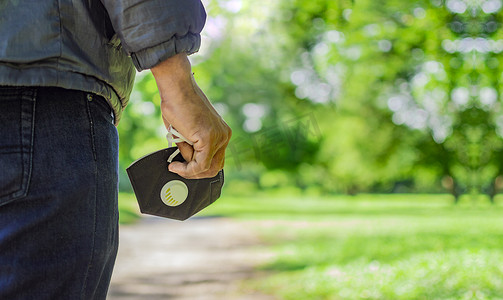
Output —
<point x="458" y="274"/>
<point x="128" y="208"/>
<point x="370" y="246"/>
<point x="376" y="246"/>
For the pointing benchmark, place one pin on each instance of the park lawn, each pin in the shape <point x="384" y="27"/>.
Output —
<point x="375" y="246"/>
<point x="129" y="211"/>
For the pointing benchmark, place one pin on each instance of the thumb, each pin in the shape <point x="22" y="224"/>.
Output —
<point x="186" y="150"/>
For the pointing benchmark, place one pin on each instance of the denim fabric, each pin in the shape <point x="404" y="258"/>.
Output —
<point x="58" y="194"/>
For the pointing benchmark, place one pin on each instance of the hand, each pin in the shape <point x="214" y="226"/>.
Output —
<point x="188" y="110"/>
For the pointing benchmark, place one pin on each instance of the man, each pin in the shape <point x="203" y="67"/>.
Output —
<point x="66" y="72"/>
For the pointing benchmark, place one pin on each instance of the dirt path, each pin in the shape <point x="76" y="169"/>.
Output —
<point x="202" y="258"/>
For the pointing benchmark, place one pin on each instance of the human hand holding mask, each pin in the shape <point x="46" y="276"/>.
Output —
<point x="185" y="107"/>
<point x="166" y="194"/>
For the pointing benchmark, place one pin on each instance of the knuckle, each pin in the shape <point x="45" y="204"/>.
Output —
<point x="225" y="137"/>
<point x="229" y="131"/>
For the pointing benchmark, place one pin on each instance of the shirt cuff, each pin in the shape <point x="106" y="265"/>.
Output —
<point x="149" y="57"/>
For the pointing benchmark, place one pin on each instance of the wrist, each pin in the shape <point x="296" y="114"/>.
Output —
<point x="173" y="75"/>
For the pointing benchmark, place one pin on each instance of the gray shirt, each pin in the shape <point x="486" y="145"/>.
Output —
<point x="93" y="45"/>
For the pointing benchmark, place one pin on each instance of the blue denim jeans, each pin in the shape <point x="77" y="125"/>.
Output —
<point x="58" y="194"/>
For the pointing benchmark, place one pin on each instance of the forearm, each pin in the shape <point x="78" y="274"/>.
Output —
<point x="173" y="75"/>
<point x="179" y="92"/>
<point x="186" y="108"/>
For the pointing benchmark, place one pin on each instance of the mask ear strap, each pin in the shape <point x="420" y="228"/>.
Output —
<point x="174" y="137"/>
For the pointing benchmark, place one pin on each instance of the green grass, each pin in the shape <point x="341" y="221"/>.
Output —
<point x="128" y="208"/>
<point x="376" y="246"/>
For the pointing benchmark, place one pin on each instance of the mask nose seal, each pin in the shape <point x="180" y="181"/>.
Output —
<point x="174" y="193"/>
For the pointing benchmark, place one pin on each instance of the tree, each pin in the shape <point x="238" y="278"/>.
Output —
<point x="363" y="96"/>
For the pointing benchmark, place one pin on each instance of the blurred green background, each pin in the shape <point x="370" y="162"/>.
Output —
<point x="376" y="124"/>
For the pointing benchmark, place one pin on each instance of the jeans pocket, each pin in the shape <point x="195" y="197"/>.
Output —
<point x="17" y="107"/>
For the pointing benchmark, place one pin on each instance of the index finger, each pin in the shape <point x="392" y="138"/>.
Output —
<point x="199" y="164"/>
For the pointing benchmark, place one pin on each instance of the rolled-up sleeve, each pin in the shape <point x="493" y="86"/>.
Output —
<point x="153" y="30"/>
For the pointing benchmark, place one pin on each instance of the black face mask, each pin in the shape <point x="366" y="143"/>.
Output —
<point x="162" y="193"/>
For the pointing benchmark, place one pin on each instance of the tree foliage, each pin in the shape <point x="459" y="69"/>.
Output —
<point x="349" y="96"/>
